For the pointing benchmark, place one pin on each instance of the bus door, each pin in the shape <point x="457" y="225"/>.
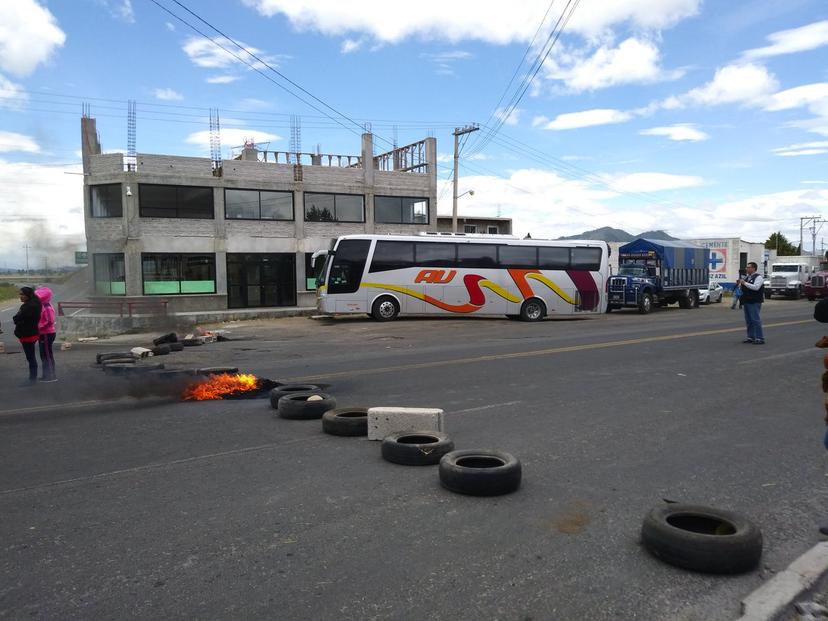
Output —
<point x="346" y="275"/>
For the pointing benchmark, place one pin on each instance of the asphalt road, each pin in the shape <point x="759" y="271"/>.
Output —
<point x="75" y="287"/>
<point x="153" y="508"/>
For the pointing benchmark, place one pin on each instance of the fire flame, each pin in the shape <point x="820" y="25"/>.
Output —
<point x="220" y="385"/>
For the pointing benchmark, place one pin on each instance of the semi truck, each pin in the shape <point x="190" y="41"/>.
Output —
<point x="655" y="272"/>
<point x="788" y="279"/>
<point x="817" y="286"/>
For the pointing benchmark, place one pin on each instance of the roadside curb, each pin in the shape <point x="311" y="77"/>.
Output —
<point x="773" y="598"/>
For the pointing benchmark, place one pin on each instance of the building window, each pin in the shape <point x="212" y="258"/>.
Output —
<point x="109" y="273"/>
<point x="105" y="200"/>
<point x="258" y="205"/>
<point x="174" y="274"/>
<point x="470" y="228"/>
<point x="400" y="210"/>
<point x="334" y="207"/>
<point x="492" y="230"/>
<point x="175" y="201"/>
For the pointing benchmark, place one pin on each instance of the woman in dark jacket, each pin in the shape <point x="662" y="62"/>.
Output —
<point x="26" y="328"/>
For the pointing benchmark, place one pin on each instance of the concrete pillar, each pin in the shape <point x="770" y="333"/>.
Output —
<point x="431" y="158"/>
<point x="133" y="268"/>
<point x="368" y="179"/>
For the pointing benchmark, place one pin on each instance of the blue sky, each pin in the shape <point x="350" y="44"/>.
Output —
<point x="706" y="119"/>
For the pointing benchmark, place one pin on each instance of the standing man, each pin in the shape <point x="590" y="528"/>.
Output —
<point x="752" y="297"/>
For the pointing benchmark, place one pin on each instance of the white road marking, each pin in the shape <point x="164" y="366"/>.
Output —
<point x="798" y="352"/>
<point x="485" y="407"/>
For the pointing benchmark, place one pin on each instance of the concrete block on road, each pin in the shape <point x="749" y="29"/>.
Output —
<point x="383" y="421"/>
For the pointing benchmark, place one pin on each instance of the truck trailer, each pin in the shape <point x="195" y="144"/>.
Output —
<point x="655" y="272"/>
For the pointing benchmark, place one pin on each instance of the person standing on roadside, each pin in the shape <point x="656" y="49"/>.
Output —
<point x="46" y="328"/>
<point x="753" y="295"/>
<point x="26" y="329"/>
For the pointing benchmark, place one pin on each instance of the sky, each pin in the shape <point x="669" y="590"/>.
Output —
<point x="701" y="118"/>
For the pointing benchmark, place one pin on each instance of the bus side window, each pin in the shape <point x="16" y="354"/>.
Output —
<point x="348" y="265"/>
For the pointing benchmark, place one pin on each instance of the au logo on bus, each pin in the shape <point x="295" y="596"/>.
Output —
<point x="435" y="277"/>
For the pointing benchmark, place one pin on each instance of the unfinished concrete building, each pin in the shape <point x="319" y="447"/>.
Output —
<point x="208" y="235"/>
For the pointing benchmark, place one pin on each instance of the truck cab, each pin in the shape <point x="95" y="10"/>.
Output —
<point x="788" y="279"/>
<point x="817" y="285"/>
<point x="656" y="273"/>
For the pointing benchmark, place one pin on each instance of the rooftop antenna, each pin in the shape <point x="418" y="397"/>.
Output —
<point x="215" y="141"/>
<point x="131" y="159"/>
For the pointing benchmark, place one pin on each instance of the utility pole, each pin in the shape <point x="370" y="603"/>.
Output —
<point x="458" y="131"/>
<point x="26" y="246"/>
<point x="813" y="221"/>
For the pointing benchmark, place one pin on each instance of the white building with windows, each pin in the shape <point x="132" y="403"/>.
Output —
<point x="240" y="233"/>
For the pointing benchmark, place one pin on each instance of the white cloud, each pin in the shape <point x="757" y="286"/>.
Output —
<point x="678" y="132"/>
<point x="747" y="84"/>
<point x="512" y="119"/>
<point x="232" y="137"/>
<point x="493" y="22"/>
<point x="633" y="62"/>
<point x="586" y="118"/>
<point x="803" y="148"/>
<point x="207" y="53"/>
<point x="444" y="61"/>
<point x="167" y="94"/>
<point x="222" y="79"/>
<point x="768" y="211"/>
<point x="351" y="45"/>
<point x="11" y="141"/>
<point x="170" y="26"/>
<point x="794" y="40"/>
<point x="29" y="34"/>
<point x="49" y="219"/>
<point x="12" y="96"/>
<point x="805" y="95"/>
<point x="652" y="182"/>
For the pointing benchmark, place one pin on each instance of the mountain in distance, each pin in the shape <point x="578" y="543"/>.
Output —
<point x="609" y="234"/>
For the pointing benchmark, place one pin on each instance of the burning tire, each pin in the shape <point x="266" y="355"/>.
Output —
<point x="480" y="472"/>
<point x="289" y="389"/>
<point x="112" y="355"/>
<point x="305" y="405"/>
<point x="416" y="448"/>
<point x="346" y="422"/>
<point x="161" y="350"/>
<point x="702" y="539"/>
<point x="127" y="368"/>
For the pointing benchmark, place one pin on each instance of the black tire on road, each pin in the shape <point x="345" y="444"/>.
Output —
<point x="385" y="308"/>
<point x="346" y="422"/>
<point x="532" y="309"/>
<point x="176" y="346"/>
<point x="218" y="370"/>
<point x="290" y="389"/>
<point x="645" y="304"/>
<point x="127" y="368"/>
<point x="297" y="406"/>
<point x="480" y="472"/>
<point x="170" y="337"/>
<point x="161" y="350"/>
<point x="416" y="448"/>
<point x="702" y="539"/>
<point x="112" y="355"/>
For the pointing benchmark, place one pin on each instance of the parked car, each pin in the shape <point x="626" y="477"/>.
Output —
<point x="713" y="293"/>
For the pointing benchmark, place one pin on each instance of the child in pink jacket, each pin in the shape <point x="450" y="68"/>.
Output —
<point x="47" y="334"/>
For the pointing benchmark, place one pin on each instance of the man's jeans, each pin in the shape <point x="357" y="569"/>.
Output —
<point x="754" y="323"/>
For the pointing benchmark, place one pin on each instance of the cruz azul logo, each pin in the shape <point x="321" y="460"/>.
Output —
<point x="718" y="260"/>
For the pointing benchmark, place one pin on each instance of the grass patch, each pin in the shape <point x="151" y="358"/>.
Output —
<point x="8" y="292"/>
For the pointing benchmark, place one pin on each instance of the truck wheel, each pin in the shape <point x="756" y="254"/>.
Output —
<point x="532" y="310"/>
<point x="645" y="304"/>
<point x="768" y="294"/>
<point x="685" y="302"/>
<point x="385" y="309"/>
<point x="798" y="294"/>
<point x="811" y="298"/>
<point x="694" y="298"/>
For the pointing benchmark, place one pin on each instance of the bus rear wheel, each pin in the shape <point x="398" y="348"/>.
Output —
<point x="385" y="309"/>
<point x="532" y="310"/>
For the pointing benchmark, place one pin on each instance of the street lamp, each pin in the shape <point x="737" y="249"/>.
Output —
<point x="454" y="209"/>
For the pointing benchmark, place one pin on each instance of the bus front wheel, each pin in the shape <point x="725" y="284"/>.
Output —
<point x="532" y="310"/>
<point x="385" y="309"/>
